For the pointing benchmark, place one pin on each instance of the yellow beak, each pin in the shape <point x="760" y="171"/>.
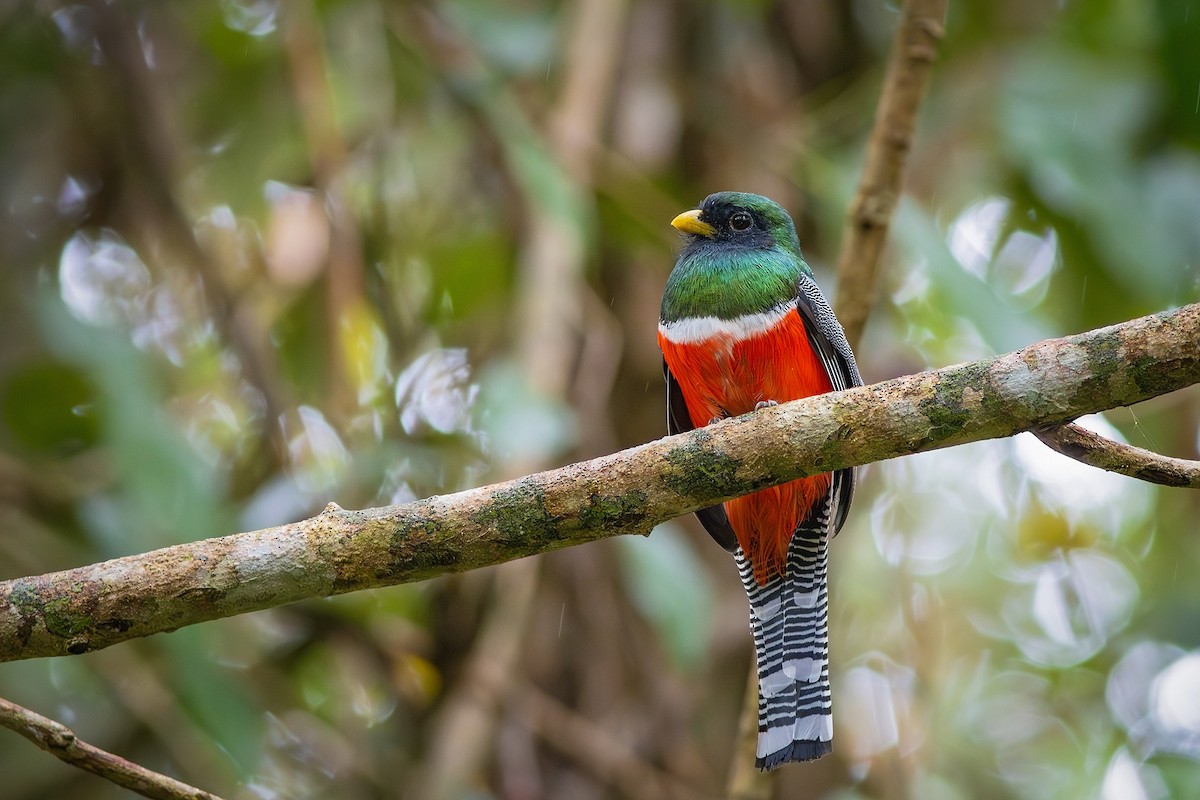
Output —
<point x="689" y="222"/>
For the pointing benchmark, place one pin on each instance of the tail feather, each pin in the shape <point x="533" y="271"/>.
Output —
<point x="789" y="619"/>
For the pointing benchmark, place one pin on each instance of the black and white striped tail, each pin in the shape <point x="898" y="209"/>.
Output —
<point x="789" y="618"/>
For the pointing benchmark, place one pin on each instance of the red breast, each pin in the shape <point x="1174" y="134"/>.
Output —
<point x="728" y="373"/>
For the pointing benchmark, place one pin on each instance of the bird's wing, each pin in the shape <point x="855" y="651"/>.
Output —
<point x="827" y="339"/>
<point x="679" y="421"/>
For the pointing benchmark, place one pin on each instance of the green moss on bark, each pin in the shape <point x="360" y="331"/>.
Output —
<point x="699" y="470"/>
<point x="520" y="518"/>
<point x="420" y="547"/>
<point x="1153" y="377"/>
<point x="947" y="410"/>
<point x="64" y="619"/>
<point x="24" y="598"/>
<point x="1104" y="361"/>
<point x="622" y="511"/>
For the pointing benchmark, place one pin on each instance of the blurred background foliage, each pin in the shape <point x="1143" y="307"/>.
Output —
<point x="258" y="256"/>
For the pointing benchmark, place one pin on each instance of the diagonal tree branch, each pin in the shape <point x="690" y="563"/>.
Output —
<point x="61" y="742"/>
<point x="338" y="551"/>
<point x="1094" y="450"/>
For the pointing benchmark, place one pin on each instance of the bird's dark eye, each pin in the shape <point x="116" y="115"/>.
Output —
<point x="740" y="221"/>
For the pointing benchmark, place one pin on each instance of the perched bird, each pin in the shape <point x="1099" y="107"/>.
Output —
<point x="743" y="326"/>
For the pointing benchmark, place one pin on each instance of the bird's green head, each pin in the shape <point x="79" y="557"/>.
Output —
<point x="740" y="220"/>
<point x="740" y="256"/>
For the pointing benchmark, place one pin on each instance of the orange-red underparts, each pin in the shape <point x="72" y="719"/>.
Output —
<point x="720" y="377"/>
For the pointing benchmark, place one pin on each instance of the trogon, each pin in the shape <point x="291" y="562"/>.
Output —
<point x="743" y="326"/>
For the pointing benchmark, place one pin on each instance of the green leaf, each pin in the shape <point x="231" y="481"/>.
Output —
<point x="216" y="700"/>
<point x="670" y="585"/>
<point x="172" y="494"/>
<point x="48" y="407"/>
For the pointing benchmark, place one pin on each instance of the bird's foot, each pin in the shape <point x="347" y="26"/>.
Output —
<point x="715" y="420"/>
<point x="765" y="404"/>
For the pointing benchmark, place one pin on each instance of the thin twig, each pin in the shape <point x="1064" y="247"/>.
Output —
<point x="328" y="156"/>
<point x="914" y="50"/>
<point x="1095" y="450"/>
<point x="463" y="729"/>
<point x="746" y="782"/>
<point x="597" y="750"/>
<point x="140" y="690"/>
<point x="59" y="741"/>
<point x="554" y="253"/>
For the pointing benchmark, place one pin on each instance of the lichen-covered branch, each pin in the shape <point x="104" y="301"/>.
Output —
<point x="61" y="742"/>
<point x="1096" y="451"/>
<point x="1048" y="383"/>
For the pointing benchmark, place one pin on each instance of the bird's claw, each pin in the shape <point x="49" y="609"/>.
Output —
<point x="765" y="404"/>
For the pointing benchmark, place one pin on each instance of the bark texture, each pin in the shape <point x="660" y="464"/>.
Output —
<point x="1124" y="459"/>
<point x="1051" y="382"/>
<point x="61" y="742"/>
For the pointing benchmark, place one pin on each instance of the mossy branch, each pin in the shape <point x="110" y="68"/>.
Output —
<point x="1051" y="382"/>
